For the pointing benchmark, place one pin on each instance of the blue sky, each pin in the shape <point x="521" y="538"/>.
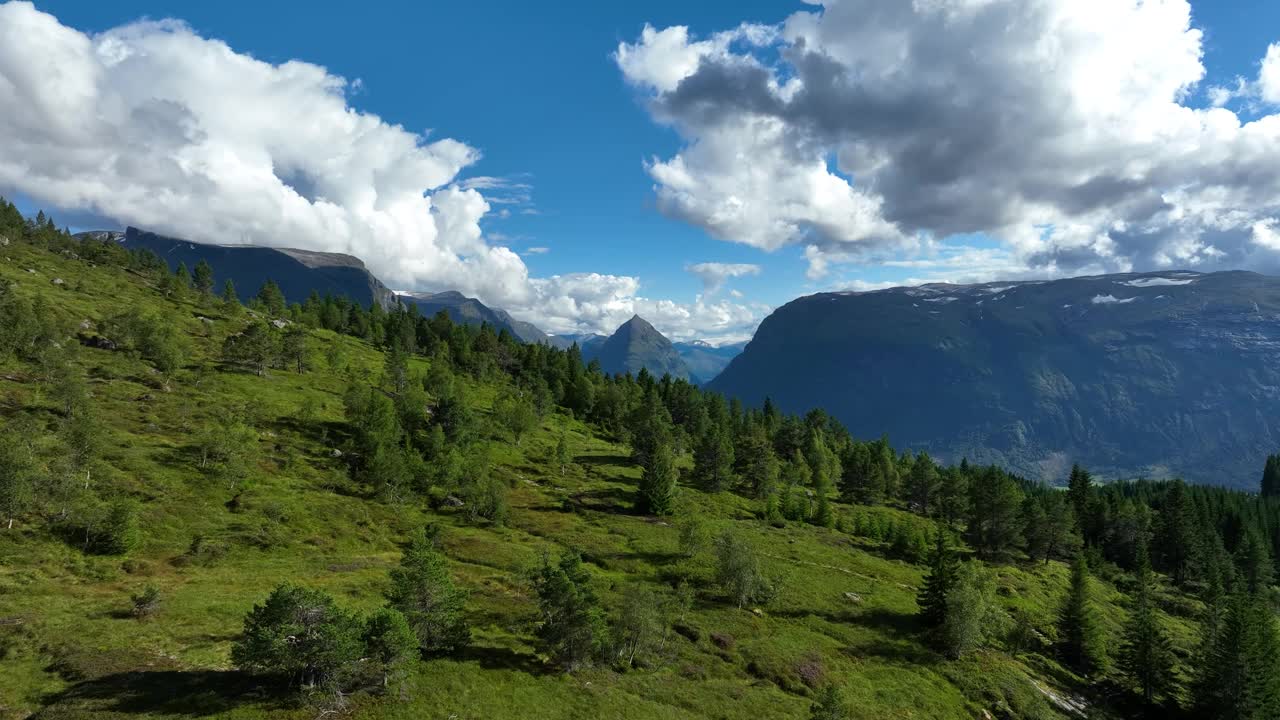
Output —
<point x="536" y="90"/>
<point x="539" y="95"/>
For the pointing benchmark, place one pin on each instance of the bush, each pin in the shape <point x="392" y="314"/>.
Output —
<point x="146" y="602"/>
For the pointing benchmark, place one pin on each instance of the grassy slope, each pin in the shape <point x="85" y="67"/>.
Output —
<point x="69" y="649"/>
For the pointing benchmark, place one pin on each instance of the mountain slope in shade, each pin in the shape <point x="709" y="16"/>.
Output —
<point x="1155" y="374"/>
<point x="587" y="342"/>
<point x="706" y="361"/>
<point x="297" y="272"/>
<point x="463" y="309"/>
<point x="634" y="345"/>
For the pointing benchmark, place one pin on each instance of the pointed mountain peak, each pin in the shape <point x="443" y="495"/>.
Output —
<point x="637" y="324"/>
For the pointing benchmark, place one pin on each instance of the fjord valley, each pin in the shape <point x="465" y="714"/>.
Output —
<point x="219" y="508"/>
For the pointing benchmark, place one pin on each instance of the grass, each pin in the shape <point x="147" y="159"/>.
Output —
<point x="70" y="649"/>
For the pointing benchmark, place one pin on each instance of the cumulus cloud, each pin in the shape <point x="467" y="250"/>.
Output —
<point x="869" y="131"/>
<point x="714" y="275"/>
<point x="151" y="124"/>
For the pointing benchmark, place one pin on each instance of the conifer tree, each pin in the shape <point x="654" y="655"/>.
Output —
<point x="563" y="455"/>
<point x="1146" y="656"/>
<point x="974" y="616"/>
<point x="1080" y="493"/>
<point x="923" y="484"/>
<point x="572" y="628"/>
<point x="17" y="474"/>
<point x="1271" y="477"/>
<point x="229" y="295"/>
<point x="658" y="482"/>
<point x="1080" y="637"/>
<point x="183" y="277"/>
<point x="422" y="589"/>
<point x="938" y="583"/>
<point x="273" y="300"/>
<point x="1240" y="678"/>
<point x="203" y="277"/>
<point x="713" y="460"/>
<point x="995" y="518"/>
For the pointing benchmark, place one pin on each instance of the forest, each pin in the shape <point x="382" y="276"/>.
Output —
<point x="210" y="507"/>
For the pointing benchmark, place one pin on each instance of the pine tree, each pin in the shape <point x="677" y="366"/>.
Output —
<point x="17" y="474"/>
<point x="572" y="628"/>
<point x="1080" y="637"/>
<point x="1080" y="493"/>
<point x="423" y="591"/>
<point x="1175" y="534"/>
<point x="183" y="277"/>
<point x="229" y="295"/>
<point x="658" y="482"/>
<point x="563" y="455"/>
<point x="203" y="277"/>
<point x="995" y="519"/>
<point x="1271" y="477"/>
<point x="273" y="300"/>
<point x="923" y="484"/>
<point x="1146" y="656"/>
<point x="1240" y="679"/>
<point x="713" y="460"/>
<point x="938" y="583"/>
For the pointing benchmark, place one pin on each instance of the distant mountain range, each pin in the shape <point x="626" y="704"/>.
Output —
<point x="470" y="311"/>
<point x="1155" y="374"/>
<point x="297" y="272"/>
<point x="634" y="345"/>
<point x="706" y="361"/>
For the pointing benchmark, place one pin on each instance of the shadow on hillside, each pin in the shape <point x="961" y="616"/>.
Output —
<point x="196" y="693"/>
<point x="594" y="460"/>
<point x="619" y="501"/>
<point x="902" y="641"/>
<point x="501" y="658"/>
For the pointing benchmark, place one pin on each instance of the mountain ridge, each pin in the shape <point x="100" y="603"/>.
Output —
<point x="1119" y="372"/>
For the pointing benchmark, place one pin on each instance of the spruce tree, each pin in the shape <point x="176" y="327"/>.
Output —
<point x="1080" y="637"/>
<point x="658" y="482"/>
<point x="938" y="583"/>
<point x="1146" y="656"/>
<point x="229" y="295"/>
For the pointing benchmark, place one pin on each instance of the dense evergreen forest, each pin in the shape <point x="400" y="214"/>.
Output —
<point x="515" y="521"/>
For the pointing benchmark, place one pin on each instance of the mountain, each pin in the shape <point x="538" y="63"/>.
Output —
<point x="1154" y="374"/>
<point x="587" y="342"/>
<point x="704" y="360"/>
<point x="297" y="272"/>
<point x="470" y="311"/>
<point x="637" y="344"/>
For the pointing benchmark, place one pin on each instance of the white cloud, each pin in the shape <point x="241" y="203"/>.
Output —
<point x="1269" y="75"/>
<point x="714" y="275"/>
<point x="152" y="125"/>
<point x="1061" y="128"/>
<point x="537" y="250"/>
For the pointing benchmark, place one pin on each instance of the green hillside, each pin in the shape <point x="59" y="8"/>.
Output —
<point x="143" y="450"/>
